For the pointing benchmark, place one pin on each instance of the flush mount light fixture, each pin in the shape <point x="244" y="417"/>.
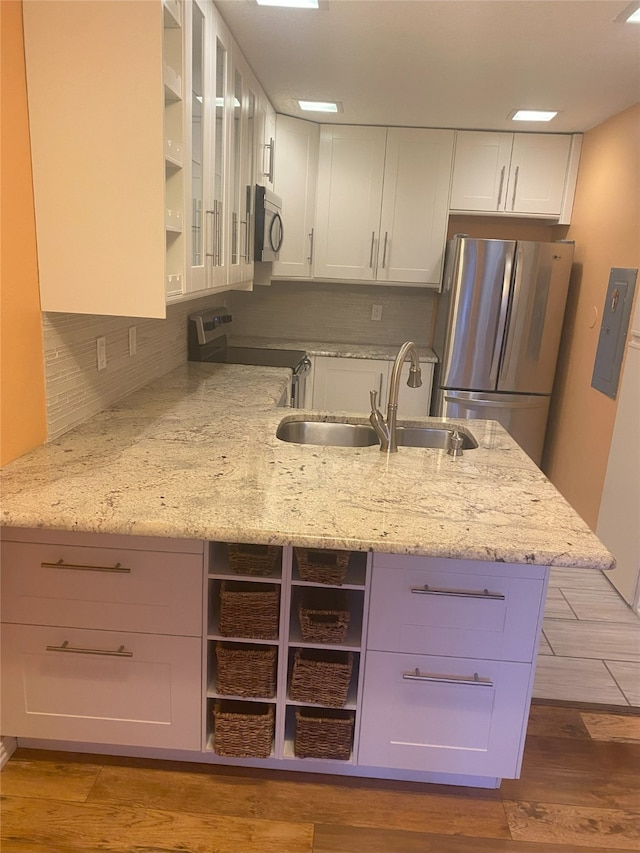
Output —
<point x="533" y="115"/>
<point x="630" y="14"/>
<point x="321" y="106"/>
<point x="290" y="4"/>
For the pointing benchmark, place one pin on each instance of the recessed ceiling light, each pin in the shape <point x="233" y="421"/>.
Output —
<point x="291" y="4"/>
<point x="320" y="106"/>
<point x="630" y="14"/>
<point x="534" y="115"/>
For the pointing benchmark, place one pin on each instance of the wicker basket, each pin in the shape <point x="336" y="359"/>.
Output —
<point x="243" y="729"/>
<point x="246" y="670"/>
<point x="324" y="616"/>
<point x="322" y="566"/>
<point x="249" y="610"/>
<point x="321" y="676"/>
<point x="258" y="560"/>
<point x="323" y="733"/>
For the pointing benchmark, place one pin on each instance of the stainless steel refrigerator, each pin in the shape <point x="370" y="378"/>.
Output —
<point x="498" y="332"/>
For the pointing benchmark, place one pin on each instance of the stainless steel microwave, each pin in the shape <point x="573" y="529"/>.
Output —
<point x="269" y="232"/>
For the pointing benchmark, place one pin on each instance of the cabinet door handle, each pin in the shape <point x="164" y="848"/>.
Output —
<point x="373" y="239"/>
<point x="474" y="680"/>
<point x="515" y="187"/>
<point x="310" y="258"/>
<point x="500" y="187"/>
<point x="211" y="222"/>
<point x="384" y="251"/>
<point x="270" y="148"/>
<point x="457" y="593"/>
<point x="117" y="569"/>
<point x="218" y="209"/>
<point x="65" y="647"/>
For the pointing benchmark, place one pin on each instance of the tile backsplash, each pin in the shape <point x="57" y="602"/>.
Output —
<point x="76" y="390"/>
<point x="336" y="313"/>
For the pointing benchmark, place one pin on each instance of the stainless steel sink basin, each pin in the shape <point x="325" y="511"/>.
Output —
<point x="327" y="434"/>
<point x="344" y="434"/>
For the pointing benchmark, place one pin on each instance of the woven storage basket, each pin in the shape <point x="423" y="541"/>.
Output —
<point x="259" y="560"/>
<point x="246" y="670"/>
<point x="243" y="729"/>
<point x="249" y="610"/>
<point x="323" y="733"/>
<point x="324" y="616"/>
<point x="321" y="676"/>
<point x="322" y="566"/>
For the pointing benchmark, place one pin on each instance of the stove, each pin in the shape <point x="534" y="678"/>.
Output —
<point x="208" y="341"/>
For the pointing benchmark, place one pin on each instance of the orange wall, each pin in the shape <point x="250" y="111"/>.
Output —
<point x="22" y="396"/>
<point x="606" y="228"/>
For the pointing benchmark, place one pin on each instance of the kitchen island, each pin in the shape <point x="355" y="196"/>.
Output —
<point x="163" y="480"/>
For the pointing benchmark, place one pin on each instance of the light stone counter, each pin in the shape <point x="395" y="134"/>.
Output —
<point x="194" y="455"/>
<point x="374" y="351"/>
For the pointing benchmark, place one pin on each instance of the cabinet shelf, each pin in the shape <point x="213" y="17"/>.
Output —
<point x="172" y="85"/>
<point x="351" y="643"/>
<point x="172" y="14"/>
<point x="355" y="577"/>
<point x="220" y="568"/>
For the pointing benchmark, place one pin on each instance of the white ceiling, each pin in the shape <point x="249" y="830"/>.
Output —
<point x="444" y="63"/>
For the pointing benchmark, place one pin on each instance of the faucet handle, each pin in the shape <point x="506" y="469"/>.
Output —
<point x="373" y="397"/>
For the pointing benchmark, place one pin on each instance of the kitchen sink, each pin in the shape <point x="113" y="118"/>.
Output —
<point x="346" y="434"/>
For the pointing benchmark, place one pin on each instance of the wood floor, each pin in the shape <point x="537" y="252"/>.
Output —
<point x="579" y="791"/>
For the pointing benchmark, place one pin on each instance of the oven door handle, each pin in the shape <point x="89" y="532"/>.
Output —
<point x="275" y="240"/>
<point x="303" y="368"/>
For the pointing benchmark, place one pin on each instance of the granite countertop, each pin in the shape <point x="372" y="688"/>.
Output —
<point x="385" y="352"/>
<point x="194" y="455"/>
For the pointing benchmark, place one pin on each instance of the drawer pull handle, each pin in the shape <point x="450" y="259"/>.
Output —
<point x="457" y="593"/>
<point x="416" y="675"/>
<point x="118" y="568"/>
<point x="65" y="647"/>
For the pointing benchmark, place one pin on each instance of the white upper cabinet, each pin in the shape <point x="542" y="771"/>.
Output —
<point x="265" y="144"/>
<point x="109" y="212"/>
<point x="141" y="163"/>
<point x="350" y="174"/>
<point x="296" y="169"/>
<point x="382" y="204"/>
<point x="531" y="174"/>
<point x="415" y="205"/>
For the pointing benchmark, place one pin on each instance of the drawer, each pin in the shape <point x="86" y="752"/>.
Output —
<point x="454" y="608"/>
<point x="110" y="588"/>
<point x="101" y="687"/>
<point x="444" y="715"/>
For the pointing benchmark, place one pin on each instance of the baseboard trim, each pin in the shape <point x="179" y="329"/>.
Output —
<point x="8" y="746"/>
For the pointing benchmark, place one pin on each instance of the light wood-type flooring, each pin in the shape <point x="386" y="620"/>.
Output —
<point x="590" y="644"/>
<point x="579" y="791"/>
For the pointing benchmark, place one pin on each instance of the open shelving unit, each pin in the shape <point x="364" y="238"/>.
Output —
<point x="173" y="79"/>
<point x="285" y="577"/>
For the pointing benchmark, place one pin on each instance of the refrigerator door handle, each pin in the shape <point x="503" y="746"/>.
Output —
<point x="460" y="400"/>
<point x="502" y="321"/>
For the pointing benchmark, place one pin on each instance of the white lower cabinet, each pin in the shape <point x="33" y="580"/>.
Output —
<point x="444" y="714"/>
<point x="299" y="658"/>
<point x="343" y="384"/>
<point x="102" y="639"/>
<point x="449" y="664"/>
<point x="101" y="686"/>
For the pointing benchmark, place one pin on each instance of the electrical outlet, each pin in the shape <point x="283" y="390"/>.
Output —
<point x="133" y="340"/>
<point x="376" y="312"/>
<point x="101" y="350"/>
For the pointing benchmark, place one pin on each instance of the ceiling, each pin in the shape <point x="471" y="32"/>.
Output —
<point x="444" y="63"/>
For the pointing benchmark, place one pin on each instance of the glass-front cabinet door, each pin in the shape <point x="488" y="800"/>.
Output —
<point x="199" y="97"/>
<point x="217" y="221"/>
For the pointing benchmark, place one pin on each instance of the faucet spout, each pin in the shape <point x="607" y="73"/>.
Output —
<point x="386" y="429"/>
